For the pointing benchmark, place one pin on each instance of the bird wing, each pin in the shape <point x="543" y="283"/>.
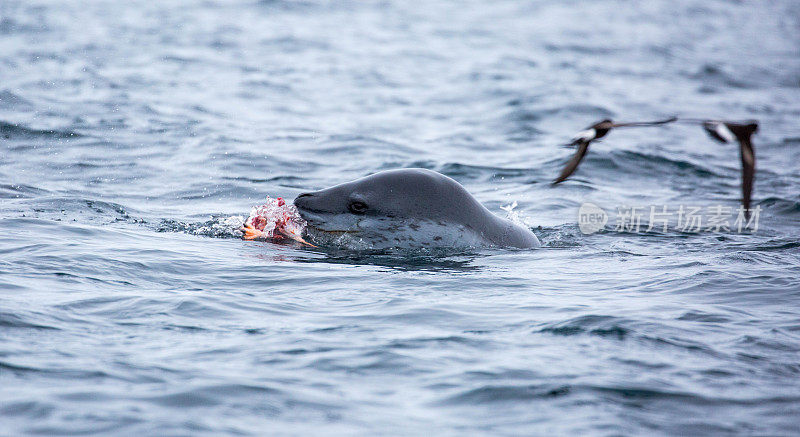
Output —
<point x="724" y="133"/>
<point x="748" y="171"/>
<point x="718" y="131"/>
<point x="572" y="165"/>
<point x="646" y="123"/>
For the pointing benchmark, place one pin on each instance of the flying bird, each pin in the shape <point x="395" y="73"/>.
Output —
<point x="720" y="130"/>
<point x="742" y="132"/>
<point x="595" y="132"/>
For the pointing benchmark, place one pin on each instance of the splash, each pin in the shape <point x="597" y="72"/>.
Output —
<point x="513" y="214"/>
<point x="274" y="220"/>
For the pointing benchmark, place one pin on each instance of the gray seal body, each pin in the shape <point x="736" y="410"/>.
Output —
<point x="407" y="208"/>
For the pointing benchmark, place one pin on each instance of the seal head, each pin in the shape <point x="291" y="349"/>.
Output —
<point x="408" y="208"/>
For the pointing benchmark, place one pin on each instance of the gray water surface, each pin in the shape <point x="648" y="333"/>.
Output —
<point x="131" y="132"/>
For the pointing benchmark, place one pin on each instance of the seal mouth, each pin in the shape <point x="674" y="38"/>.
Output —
<point x="314" y="221"/>
<point x="331" y="231"/>
<point x="309" y="215"/>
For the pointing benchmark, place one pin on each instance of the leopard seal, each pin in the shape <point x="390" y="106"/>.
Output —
<point x="408" y="208"/>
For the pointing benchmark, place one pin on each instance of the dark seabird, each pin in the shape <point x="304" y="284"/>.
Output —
<point x="594" y="132"/>
<point x="720" y="130"/>
<point x="727" y="131"/>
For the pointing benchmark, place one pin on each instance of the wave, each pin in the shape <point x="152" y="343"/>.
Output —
<point x="639" y="164"/>
<point x="10" y="26"/>
<point x="780" y="205"/>
<point x="67" y="208"/>
<point x="17" y="191"/>
<point x="217" y="227"/>
<point x="9" y="100"/>
<point x="603" y="326"/>
<point x="13" y="131"/>
<point x="12" y="320"/>
<point x="614" y="393"/>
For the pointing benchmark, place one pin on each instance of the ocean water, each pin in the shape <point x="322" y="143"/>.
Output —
<point x="135" y="135"/>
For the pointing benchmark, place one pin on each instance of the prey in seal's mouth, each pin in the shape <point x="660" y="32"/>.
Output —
<point x="274" y="220"/>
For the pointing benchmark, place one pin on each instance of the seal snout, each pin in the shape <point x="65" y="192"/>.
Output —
<point x="303" y="200"/>
<point x="310" y="206"/>
<point x="307" y="202"/>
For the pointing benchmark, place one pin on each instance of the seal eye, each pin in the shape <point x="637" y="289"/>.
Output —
<point x="357" y="207"/>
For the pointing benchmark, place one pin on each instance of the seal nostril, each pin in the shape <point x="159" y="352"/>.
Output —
<point x="303" y="200"/>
